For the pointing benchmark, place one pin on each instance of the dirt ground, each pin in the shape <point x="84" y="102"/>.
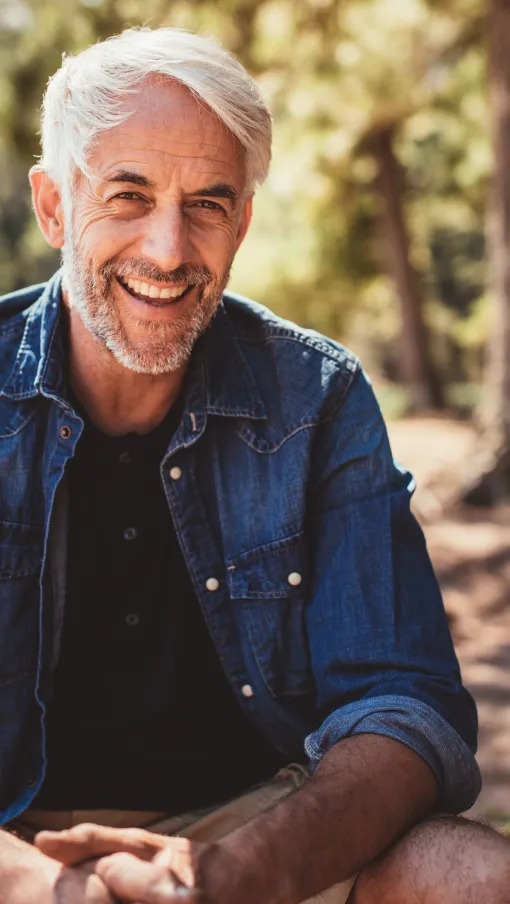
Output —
<point x="471" y="553"/>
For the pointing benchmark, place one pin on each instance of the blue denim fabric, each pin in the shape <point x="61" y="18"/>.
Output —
<point x="286" y="469"/>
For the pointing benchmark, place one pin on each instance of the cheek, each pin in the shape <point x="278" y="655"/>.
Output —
<point x="215" y="245"/>
<point x="100" y="238"/>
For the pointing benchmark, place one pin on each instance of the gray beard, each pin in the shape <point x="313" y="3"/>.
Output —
<point x="160" y="348"/>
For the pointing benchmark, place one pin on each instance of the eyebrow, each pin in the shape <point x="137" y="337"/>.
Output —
<point x="133" y="178"/>
<point x="217" y="190"/>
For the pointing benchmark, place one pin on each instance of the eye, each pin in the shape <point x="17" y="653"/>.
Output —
<point x="209" y="205"/>
<point x="128" y="196"/>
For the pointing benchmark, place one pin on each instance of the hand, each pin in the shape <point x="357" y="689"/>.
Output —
<point x="80" y="885"/>
<point x="29" y="875"/>
<point x="156" y="882"/>
<point x="174" y="872"/>
<point x="88" y="841"/>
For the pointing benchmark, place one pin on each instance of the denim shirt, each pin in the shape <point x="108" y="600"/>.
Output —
<point x="312" y="574"/>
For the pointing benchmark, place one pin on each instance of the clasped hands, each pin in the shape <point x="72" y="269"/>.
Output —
<point x="127" y="865"/>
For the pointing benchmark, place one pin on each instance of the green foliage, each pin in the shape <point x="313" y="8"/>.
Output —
<point x="333" y="71"/>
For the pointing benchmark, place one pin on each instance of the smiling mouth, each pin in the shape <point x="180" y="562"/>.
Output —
<point x="157" y="297"/>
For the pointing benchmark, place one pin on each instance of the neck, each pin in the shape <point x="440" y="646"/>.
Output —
<point x="116" y="399"/>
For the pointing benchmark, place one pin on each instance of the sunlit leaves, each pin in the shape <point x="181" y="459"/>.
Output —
<point x="333" y="71"/>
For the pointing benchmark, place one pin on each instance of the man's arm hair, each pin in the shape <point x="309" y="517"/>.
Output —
<point x="365" y="793"/>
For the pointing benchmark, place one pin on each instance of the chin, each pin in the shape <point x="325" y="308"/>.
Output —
<point x="148" y="361"/>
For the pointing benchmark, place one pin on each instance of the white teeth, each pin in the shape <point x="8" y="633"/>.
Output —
<point x="143" y="288"/>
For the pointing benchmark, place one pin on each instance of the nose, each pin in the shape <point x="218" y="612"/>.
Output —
<point x="165" y="241"/>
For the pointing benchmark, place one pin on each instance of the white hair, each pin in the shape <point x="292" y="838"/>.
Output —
<point x="88" y="95"/>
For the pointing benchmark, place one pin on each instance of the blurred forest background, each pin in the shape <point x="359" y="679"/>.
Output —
<point x="385" y="223"/>
<point x="373" y="218"/>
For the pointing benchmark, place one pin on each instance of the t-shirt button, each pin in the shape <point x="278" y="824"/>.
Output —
<point x="125" y="458"/>
<point x="130" y="533"/>
<point x="176" y="473"/>
<point x="212" y="584"/>
<point x="132" y="619"/>
<point x="247" y="690"/>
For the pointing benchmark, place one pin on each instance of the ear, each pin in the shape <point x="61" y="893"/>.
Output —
<point x="47" y="201"/>
<point x="245" y="220"/>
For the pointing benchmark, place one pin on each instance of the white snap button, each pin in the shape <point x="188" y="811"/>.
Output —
<point x="294" y="579"/>
<point x="212" y="584"/>
<point x="247" y="690"/>
<point x="176" y="473"/>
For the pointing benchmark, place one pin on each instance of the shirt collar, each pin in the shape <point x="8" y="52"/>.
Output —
<point x="231" y="389"/>
<point x="228" y="386"/>
<point x="37" y="368"/>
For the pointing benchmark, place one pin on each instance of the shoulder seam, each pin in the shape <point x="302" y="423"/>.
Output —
<point x="340" y="355"/>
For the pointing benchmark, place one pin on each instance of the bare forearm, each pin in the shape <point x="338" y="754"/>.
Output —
<point x="366" y="792"/>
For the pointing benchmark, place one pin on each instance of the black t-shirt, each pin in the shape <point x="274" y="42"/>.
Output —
<point x="142" y="715"/>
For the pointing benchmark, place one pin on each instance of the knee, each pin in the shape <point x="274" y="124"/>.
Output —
<point x="448" y="860"/>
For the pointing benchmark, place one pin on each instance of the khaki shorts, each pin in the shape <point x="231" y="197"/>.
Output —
<point x="206" y="825"/>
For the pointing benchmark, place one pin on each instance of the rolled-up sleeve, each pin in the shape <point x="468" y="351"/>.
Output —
<point x="381" y="650"/>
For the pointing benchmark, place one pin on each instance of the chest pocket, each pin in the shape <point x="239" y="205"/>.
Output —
<point x="269" y="586"/>
<point x="20" y="566"/>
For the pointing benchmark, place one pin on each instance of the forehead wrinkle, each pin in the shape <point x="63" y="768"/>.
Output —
<point x="165" y="138"/>
<point x="168" y="154"/>
<point x="176" y="125"/>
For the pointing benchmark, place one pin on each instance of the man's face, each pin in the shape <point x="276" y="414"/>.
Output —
<point x="155" y="229"/>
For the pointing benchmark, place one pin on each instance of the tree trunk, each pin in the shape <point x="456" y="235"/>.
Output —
<point x="489" y="476"/>
<point x="416" y="369"/>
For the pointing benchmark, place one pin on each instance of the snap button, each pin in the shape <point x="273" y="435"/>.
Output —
<point x="132" y="619"/>
<point x="212" y="584"/>
<point x="125" y="458"/>
<point x="247" y="690"/>
<point x="65" y="432"/>
<point x="294" y="579"/>
<point x="176" y="473"/>
<point x="130" y="533"/>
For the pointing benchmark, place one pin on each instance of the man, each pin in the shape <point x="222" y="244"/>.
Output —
<point x="209" y="568"/>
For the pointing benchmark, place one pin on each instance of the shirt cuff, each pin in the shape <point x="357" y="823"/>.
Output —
<point x="415" y="724"/>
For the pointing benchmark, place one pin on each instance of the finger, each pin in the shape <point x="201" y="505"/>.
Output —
<point x="87" y="841"/>
<point x="136" y="880"/>
<point x="178" y="859"/>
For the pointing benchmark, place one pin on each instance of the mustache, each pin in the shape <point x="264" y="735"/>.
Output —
<point x="139" y="268"/>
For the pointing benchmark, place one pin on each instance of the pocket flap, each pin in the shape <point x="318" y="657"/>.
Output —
<point x="273" y="571"/>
